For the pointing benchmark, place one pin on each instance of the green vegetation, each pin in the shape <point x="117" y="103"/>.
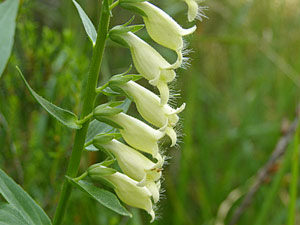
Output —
<point x="241" y="90"/>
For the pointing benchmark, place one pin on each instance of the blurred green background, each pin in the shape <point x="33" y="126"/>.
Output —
<point x="242" y="86"/>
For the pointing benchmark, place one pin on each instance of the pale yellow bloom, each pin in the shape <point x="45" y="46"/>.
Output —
<point x="136" y="165"/>
<point x="138" y="134"/>
<point x="148" y="105"/>
<point x="128" y="190"/>
<point x="163" y="29"/>
<point x="150" y="64"/>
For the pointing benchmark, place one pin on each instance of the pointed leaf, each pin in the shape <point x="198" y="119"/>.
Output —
<point x="66" y="117"/>
<point x="87" y="23"/>
<point x="8" y="14"/>
<point x="104" y="197"/>
<point x="20" y="200"/>
<point x="11" y="216"/>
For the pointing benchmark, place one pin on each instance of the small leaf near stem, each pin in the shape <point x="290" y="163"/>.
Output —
<point x="85" y="119"/>
<point x="81" y="176"/>
<point x="99" y="89"/>
<point x="112" y="6"/>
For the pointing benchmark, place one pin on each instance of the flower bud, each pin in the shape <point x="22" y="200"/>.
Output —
<point x="150" y="64"/>
<point x="148" y="105"/>
<point x="137" y="133"/>
<point x="129" y="192"/>
<point x="135" y="165"/>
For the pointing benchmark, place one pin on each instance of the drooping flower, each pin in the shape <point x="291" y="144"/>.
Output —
<point x="150" y="64"/>
<point x="127" y="189"/>
<point x="137" y="134"/>
<point x="135" y="165"/>
<point x="148" y="105"/>
<point x="162" y="28"/>
<point x="194" y="10"/>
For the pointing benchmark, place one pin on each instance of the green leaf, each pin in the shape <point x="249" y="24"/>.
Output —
<point x="97" y="127"/>
<point x="21" y="201"/>
<point x="8" y="14"/>
<point x="66" y="117"/>
<point x="104" y="197"/>
<point x="11" y="216"/>
<point x="87" y="23"/>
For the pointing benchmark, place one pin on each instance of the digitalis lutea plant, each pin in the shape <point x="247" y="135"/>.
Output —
<point x="140" y="182"/>
<point x="140" y="157"/>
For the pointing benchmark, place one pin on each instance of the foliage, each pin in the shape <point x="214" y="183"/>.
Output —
<point x="241" y="87"/>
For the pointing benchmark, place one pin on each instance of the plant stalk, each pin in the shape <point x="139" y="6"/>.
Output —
<point x="88" y="105"/>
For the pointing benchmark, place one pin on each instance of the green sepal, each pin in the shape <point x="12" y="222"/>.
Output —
<point x="99" y="147"/>
<point x="108" y="162"/>
<point x="128" y="5"/>
<point x="99" y="170"/>
<point x="121" y="79"/>
<point x="107" y="109"/>
<point x="109" y="122"/>
<point x="115" y="32"/>
<point x="105" y="138"/>
<point x="109" y="92"/>
<point x="106" y="182"/>
<point x="121" y="29"/>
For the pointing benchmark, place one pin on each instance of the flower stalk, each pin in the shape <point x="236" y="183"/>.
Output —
<point x="88" y="104"/>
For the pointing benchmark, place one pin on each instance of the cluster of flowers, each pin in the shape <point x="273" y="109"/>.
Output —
<point x="139" y="184"/>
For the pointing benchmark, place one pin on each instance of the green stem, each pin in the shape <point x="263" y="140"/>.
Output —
<point x="88" y="105"/>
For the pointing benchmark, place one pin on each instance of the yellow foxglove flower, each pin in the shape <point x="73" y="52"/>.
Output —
<point x="148" y="105"/>
<point x="138" y="134"/>
<point x="150" y="64"/>
<point x="163" y="29"/>
<point x="128" y="190"/>
<point x="135" y="165"/>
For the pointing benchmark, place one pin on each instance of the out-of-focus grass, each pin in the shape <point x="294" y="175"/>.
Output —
<point x="242" y="84"/>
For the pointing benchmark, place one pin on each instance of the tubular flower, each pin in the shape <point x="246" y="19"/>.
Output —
<point x="138" y="134"/>
<point x="127" y="189"/>
<point x="194" y="11"/>
<point x="162" y="28"/>
<point x="148" y="105"/>
<point x="135" y="165"/>
<point x="150" y="64"/>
